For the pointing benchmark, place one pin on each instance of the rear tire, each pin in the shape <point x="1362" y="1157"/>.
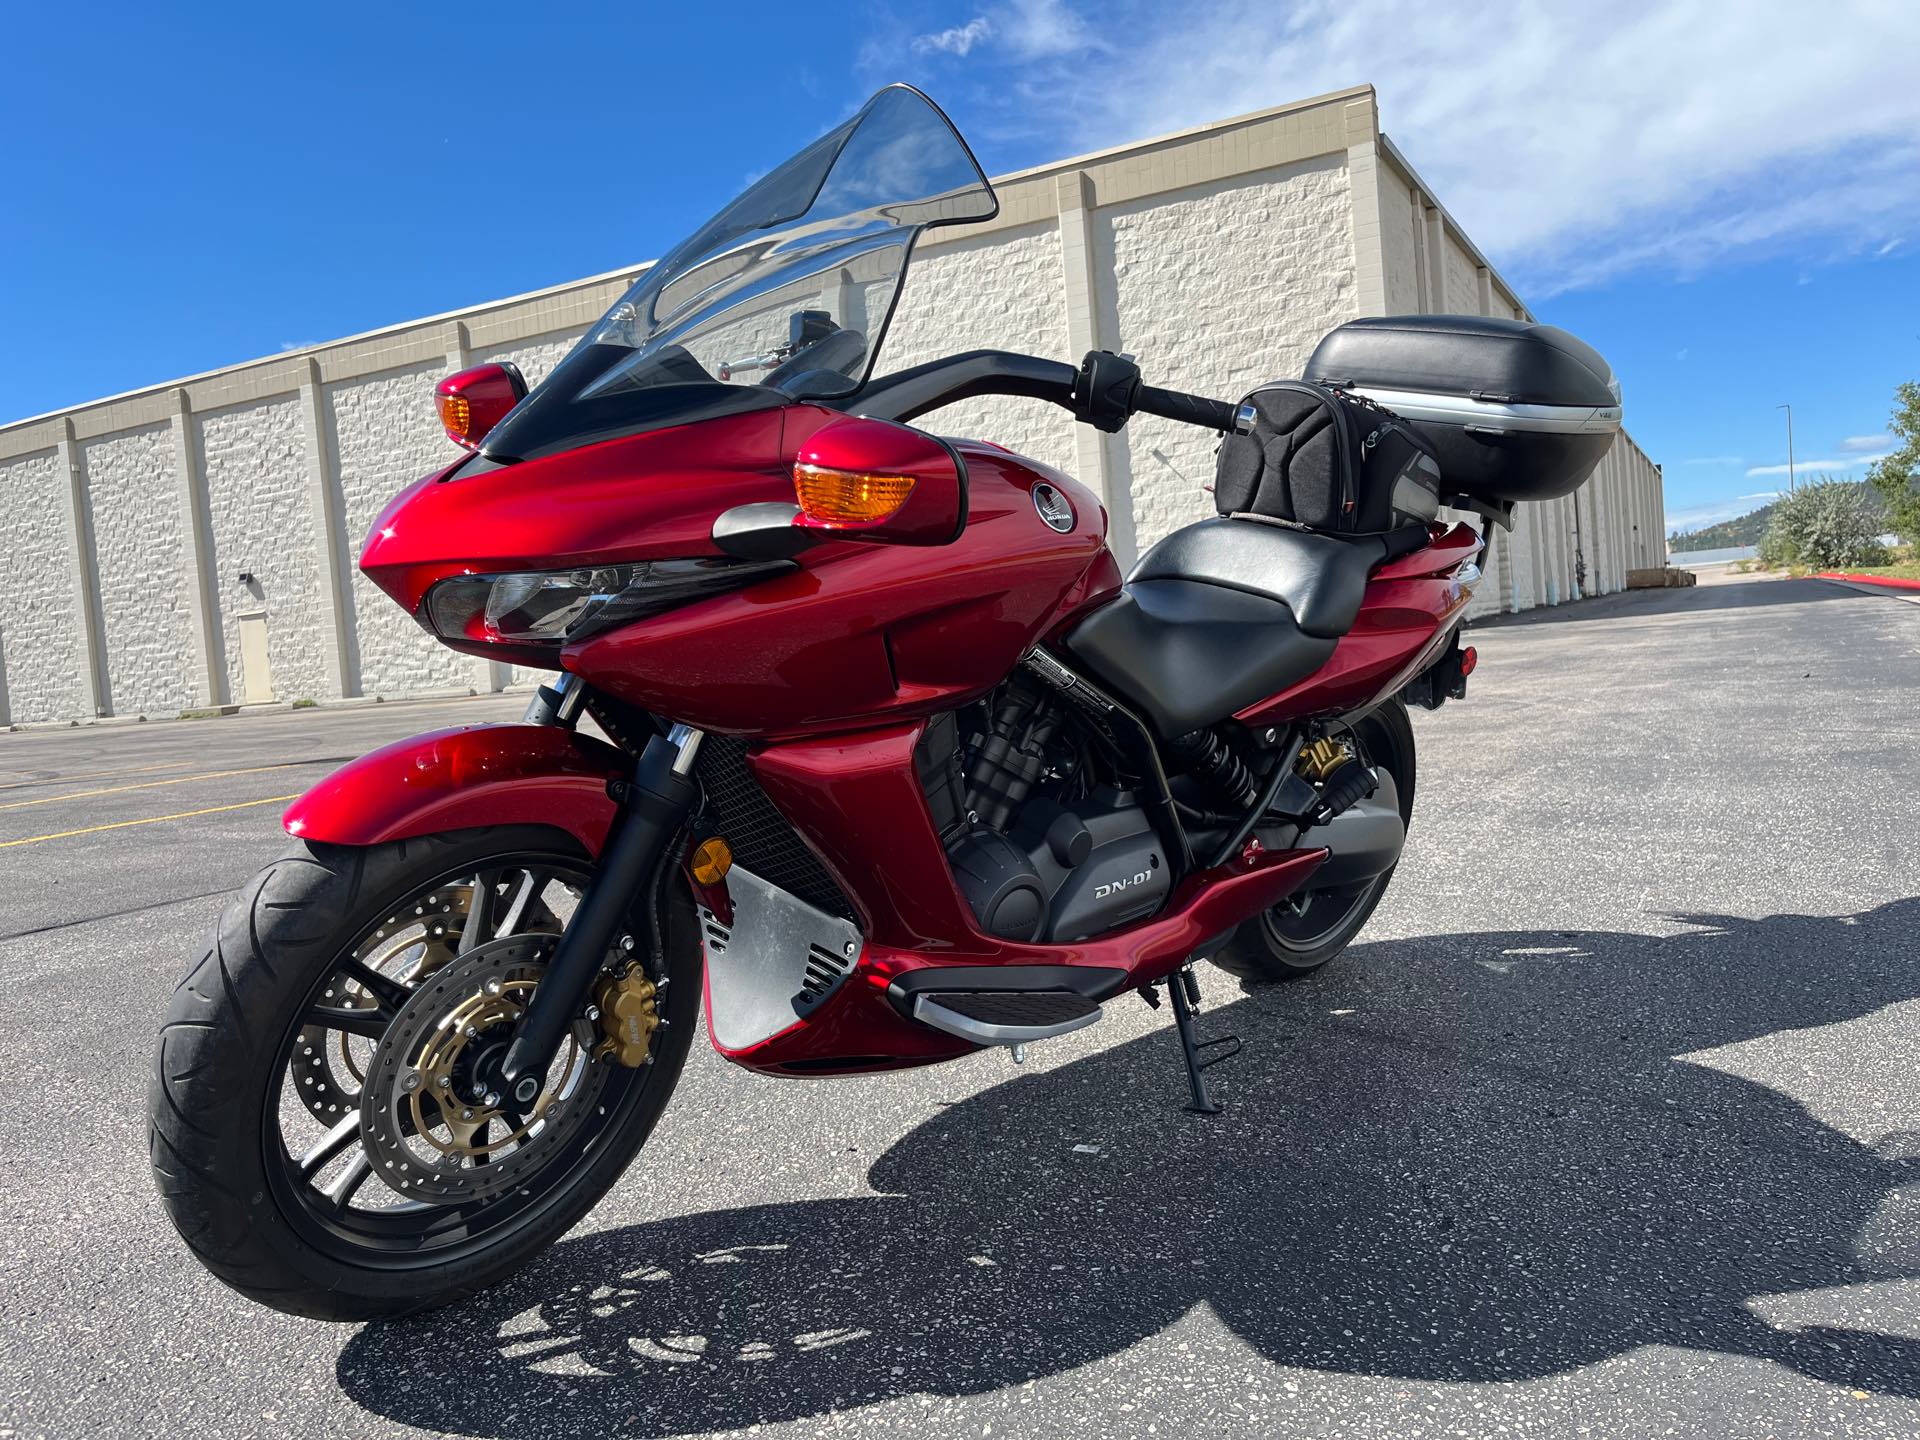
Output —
<point x="1298" y="937"/>
<point x="215" y="1097"/>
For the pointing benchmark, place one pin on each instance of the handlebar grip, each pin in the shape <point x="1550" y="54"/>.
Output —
<point x="1186" y="409"/>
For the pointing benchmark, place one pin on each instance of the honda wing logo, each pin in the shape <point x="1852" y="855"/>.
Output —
<point x="1053" y="507"/>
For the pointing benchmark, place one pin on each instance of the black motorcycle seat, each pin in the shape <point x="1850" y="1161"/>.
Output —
<point x="1226" y="612"/>
<point x="1186" y="653"/>
<point x="1320" y="578"/>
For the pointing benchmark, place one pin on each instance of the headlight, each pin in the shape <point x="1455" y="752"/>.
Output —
<point x="556" y="607"/>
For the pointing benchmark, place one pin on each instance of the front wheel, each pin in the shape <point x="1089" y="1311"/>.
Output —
<point x="321" y="1130"/>
<point x="1302" y="933"/>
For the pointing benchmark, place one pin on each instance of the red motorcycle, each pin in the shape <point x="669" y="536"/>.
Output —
<point x="894" y="761"/>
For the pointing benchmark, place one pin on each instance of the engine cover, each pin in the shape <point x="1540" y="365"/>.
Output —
<point x="1124" y="875"/>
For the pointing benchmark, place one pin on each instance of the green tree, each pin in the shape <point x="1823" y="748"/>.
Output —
<point x="1829" y="525"/>
<point x="1897" y="477"/>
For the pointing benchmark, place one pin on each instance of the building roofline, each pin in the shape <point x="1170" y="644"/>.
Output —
<point x="1454" y="228"/>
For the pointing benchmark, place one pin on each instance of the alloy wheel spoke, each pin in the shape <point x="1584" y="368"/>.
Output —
<point x="391" y="993"/>
<point x="529" y="890"/>
<point x="479" y="910"/>
<point x="340" y="1190"/>
<point x="366" y="1021"/>
<point x="328" y="1146"/>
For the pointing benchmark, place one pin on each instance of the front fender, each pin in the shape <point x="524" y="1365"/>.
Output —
<point x="460" y="779"/>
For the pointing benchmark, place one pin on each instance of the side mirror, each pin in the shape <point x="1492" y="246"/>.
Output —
<point x="860" y="479"/>
<point x="474" y="401"/>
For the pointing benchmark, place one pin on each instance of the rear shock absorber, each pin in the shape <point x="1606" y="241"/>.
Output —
<point x="1204" y="755"/>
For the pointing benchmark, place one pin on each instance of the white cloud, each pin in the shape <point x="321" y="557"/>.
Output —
<point x="1815" y="467"/>
<point x="1573" y="143"/>
<point x="956" y="40"/>
<point x="1855" y="444"/>
<point x="1714" y="460"/>
<point x="1043" y="29"/>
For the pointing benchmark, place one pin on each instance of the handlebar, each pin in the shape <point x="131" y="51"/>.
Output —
<point x="1184" y="408"/>
<point x="1105" y="391"/>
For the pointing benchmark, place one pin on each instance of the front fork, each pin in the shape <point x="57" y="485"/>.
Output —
<point x="654" y="806"/>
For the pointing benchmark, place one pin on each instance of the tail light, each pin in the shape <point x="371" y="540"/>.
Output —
<point x="557" y="607"/>
<point x="474" y="401"/>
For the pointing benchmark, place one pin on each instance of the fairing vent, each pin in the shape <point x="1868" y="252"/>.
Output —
<point x="759" y="835"/>
<point x="824" y="970"/>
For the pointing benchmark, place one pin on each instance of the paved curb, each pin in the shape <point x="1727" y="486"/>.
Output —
<point x="1885" y="582"/>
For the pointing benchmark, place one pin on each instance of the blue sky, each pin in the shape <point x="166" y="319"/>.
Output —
<point x="1730" y="212"/>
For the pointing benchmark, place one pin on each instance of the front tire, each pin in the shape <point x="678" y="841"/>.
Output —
<point x="311" y="968"/>
<point x="1299" y="936"/>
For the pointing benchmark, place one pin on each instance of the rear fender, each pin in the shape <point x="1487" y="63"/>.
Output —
<point x="465" y="778"/>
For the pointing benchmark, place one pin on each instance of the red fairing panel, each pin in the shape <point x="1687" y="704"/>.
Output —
<point x="857" y="802"/>
<point x="864" y="633"/>
<point x="1410" y="609"/>
<point x="644" y="497"/>
<point x="461" y="779"/>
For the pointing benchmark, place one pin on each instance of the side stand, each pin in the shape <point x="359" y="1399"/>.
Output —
<point x="1184" y="990"/>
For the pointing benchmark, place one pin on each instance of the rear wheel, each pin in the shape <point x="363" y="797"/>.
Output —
<point x="321" y="1128"/>
<point x="1301" y="934"/>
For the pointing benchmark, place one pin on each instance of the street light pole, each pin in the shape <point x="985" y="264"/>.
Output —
<point x="1789" y="410"/>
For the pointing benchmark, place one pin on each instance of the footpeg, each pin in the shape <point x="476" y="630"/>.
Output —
<point x="1005" y="1017"/>
<point x="1184" y="990"/>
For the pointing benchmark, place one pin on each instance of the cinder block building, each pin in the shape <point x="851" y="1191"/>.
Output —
<point x="193" y="543"/>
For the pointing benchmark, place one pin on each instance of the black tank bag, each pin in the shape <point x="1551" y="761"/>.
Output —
<point x="1326" y="460"/>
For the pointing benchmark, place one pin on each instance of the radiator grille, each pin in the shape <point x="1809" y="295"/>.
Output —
<point x="759" y="835"/>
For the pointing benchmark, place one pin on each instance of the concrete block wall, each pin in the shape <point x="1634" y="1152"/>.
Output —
<point x="1217" y="257"/>
<point x="1216" y="289"/>
<point x="1560" y="550"/>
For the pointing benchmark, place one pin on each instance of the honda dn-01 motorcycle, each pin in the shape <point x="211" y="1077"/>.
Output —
<point x="896" y="765"/>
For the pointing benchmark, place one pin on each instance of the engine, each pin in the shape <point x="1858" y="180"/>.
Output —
<point x="1046" y="841"/>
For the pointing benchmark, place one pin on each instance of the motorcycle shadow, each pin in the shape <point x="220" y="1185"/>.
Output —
<point x="1471" y="1157"/>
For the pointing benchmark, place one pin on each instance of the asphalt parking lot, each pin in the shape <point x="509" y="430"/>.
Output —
<point x="1609" y="1125"/>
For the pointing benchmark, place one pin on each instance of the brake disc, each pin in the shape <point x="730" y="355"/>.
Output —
<point x="329" y="1066"/>
<point x="424" y="1116"/>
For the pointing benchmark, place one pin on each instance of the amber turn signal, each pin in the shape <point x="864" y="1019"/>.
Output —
<point x="710" y="861"/>
<point x="456" y="415"/>
<point x="848" y="497"/>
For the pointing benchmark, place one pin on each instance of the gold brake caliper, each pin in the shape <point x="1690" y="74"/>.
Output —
<point x="1323" y="757"/>
<point x="629" y="1015"/>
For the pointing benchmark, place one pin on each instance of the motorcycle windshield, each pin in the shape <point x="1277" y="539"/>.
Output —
<point x="784" y="295"/>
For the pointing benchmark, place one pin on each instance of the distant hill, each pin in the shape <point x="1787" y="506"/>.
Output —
<point x="1741" y="530"/>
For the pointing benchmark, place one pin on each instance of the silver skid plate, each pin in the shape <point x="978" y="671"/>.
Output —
<point x="775" y="964"/>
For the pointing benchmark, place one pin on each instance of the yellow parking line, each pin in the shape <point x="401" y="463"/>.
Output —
<point x="93" y="775"/>
<point x="150" y="820"/>
<point x="156" y="784"/>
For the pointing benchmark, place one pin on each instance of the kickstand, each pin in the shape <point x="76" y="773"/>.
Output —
<point x="1184" y="990"/>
